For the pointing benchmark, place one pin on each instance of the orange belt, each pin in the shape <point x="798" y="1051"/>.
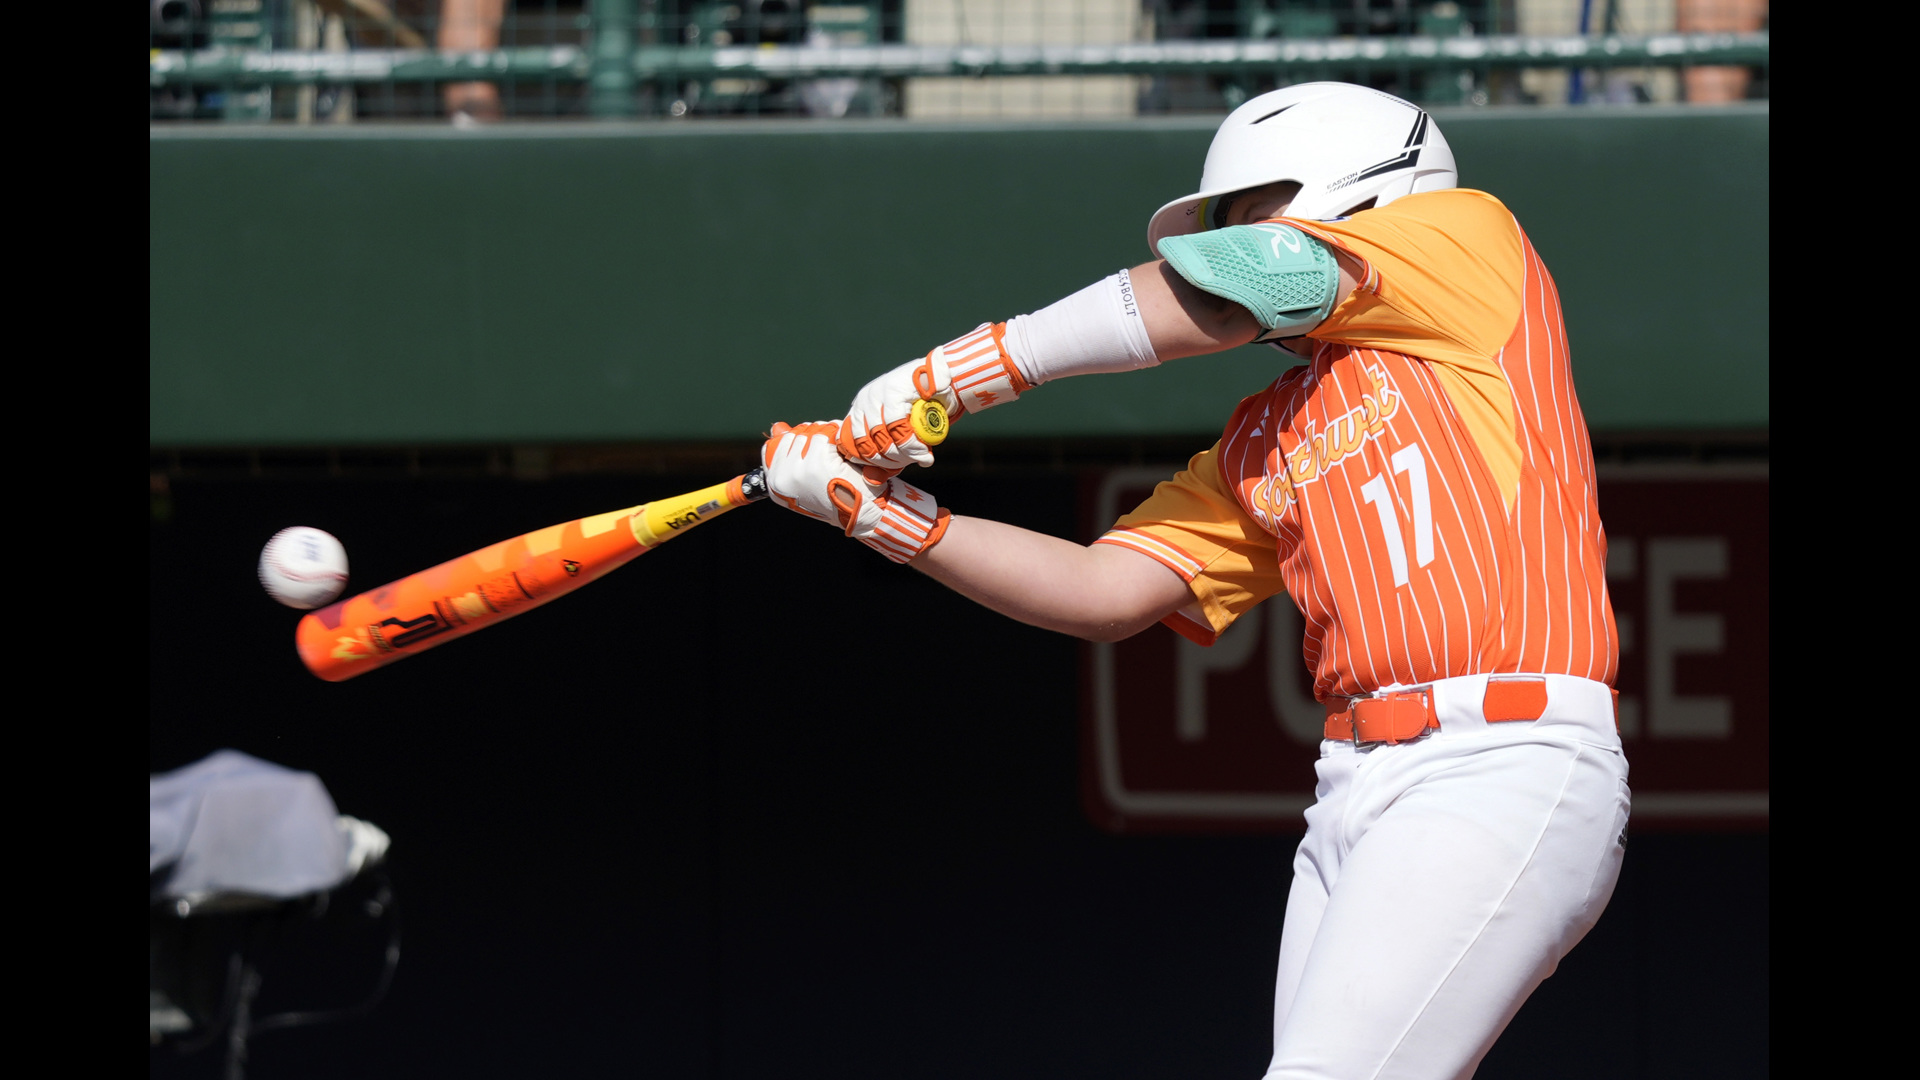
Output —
<point x="1398" y="716"/>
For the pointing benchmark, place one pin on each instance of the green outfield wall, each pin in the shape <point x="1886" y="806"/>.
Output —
<point x="672" y="282"/>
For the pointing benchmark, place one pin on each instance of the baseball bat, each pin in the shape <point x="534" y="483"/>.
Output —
<point x="481" y="588"/>
<point x="485" y="587"/>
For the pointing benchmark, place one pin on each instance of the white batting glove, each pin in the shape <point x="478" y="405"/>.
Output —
<point x="968" y="374"/>
<point x="806" y="473"/>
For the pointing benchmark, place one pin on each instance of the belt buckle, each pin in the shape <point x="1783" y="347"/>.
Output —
<point x="1353" y="722"/>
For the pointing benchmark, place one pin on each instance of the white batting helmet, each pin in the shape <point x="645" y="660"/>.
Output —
<point x="1343" y="144"/>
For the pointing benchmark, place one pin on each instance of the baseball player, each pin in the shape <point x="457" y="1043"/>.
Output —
<point x="1421" y="487"/>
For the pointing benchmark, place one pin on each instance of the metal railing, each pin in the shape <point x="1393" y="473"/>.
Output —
<point x="633" y="58"/>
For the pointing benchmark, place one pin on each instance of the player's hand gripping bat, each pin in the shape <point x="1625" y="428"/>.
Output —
<point x="485" y="587"/>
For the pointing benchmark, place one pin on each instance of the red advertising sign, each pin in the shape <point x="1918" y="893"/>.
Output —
<point x="1179" y="738"/>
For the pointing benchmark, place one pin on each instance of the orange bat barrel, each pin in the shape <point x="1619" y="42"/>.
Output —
<point x="484" y="587"/>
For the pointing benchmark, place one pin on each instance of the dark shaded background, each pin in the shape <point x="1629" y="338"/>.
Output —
<point x="754" y="806"/>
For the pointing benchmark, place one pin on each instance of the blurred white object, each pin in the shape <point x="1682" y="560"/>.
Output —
<point x="366" y="842"/>
<point x="234" y="824"/>
<point x="303" y="567"/>
<point x="827" y="97"/>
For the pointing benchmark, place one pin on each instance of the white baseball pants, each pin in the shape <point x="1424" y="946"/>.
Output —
<point x="1441" y="880"/>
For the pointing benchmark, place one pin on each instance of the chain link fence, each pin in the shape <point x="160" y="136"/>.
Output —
<point x="473" y="62"/>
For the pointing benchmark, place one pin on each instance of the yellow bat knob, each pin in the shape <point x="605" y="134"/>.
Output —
<point x="929" y="422"/>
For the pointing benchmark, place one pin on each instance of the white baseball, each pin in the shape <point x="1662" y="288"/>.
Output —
<point x="303" y="567"/>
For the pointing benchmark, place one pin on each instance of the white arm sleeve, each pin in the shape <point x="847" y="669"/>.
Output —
<point x="1096" y="329"/>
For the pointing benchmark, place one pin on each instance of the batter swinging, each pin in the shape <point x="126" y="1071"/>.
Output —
<point x="1422" y="488"/>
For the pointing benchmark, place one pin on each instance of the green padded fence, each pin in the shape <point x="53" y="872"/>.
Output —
<point x="595" y="283"/>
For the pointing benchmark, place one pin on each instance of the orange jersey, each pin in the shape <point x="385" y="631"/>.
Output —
<point x="1423" y="488"/>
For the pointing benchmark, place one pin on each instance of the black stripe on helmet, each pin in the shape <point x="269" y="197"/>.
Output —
<point x="1418" y="136"/>
<point x="1416" y="140"/>
<point x="1405" y="161"/>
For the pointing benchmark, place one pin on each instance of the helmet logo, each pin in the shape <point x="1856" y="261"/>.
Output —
<point x="1408" y="158"/>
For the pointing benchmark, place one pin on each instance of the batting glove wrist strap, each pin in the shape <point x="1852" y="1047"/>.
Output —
<point x="911" y="521"/>
<point x="970" y="373"/>
<point x="982" y="374"/>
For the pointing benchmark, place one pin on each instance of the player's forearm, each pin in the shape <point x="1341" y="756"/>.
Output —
<point x="1183" y="321"/>
<point x="1096" y="330"/>
<point x="1100" y="592"/>
<point x="1134" y="319"/>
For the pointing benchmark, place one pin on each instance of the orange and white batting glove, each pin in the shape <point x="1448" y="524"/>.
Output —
<point x="968" y="374"/>
<point x="806" y="473"/>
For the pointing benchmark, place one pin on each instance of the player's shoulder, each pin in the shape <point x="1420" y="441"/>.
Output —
<point x="1446" y="232"/>
<point x="1430" y="229"/>
<point x="1449" y="210"/>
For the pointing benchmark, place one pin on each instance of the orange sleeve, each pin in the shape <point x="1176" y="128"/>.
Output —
<point x="1445" y="275"/>
<point x="1193" y="525"/>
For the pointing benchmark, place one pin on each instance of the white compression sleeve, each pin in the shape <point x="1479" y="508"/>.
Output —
<point x="1096" y="329"/>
